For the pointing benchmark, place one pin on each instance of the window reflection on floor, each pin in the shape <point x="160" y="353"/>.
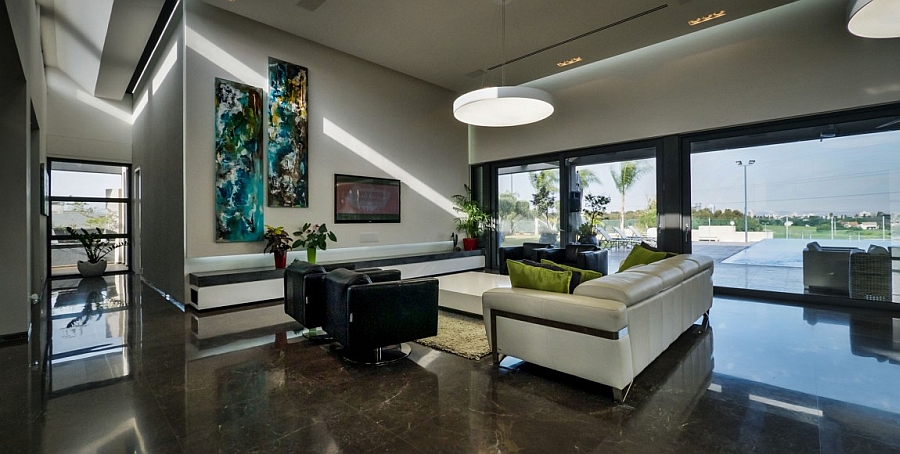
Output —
<point x="89" y="323"/>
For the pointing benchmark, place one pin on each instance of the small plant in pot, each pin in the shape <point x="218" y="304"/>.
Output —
<point x="476" y="220"/>
<point x="312" y="238"/>
<point x="95" y="247"/>
<point x="278" y="242"/>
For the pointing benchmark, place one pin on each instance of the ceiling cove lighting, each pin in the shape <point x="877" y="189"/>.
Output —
<point x="568" y="62"/>
<point x="706" y="18"/>
<point x="504" y="105"/>
<point x="874" y="18"/>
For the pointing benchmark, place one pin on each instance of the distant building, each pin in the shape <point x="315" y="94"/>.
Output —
<point x="863" y="214"/>
<point x="869" y="225"/>
<point x="850" y="225"/>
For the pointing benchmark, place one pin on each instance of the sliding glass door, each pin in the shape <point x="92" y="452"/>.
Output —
<point x="810" y="210"/>
<point x="528" y="204"/>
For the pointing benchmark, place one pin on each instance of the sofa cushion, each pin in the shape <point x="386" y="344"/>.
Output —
<point x="653" y="248"/>
<point x="586" y="275"/>
<point x="669" y="272"/>
<point x="627" y="288"/>
<point x="639" y="255"/>
<point x="577" y="276"/>
<point x="537" y="278"/>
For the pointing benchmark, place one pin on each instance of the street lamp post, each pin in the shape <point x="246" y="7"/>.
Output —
<point x="748" y="164"/>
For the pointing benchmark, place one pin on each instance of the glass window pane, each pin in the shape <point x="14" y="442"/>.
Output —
<point x="87" y="180"/>
<point x="529" y="204"/>
<point x="630" y="186"/>
<point x="110" y="218"/>
<point x="756" y="209"/>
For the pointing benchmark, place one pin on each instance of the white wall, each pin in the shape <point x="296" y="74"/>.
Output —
<point x="23" y="85"/>
<point x="84" y="127"/>
<point x="364" y="119"/>
<point x="159" y="154"/>
<point x="794" y="60"/>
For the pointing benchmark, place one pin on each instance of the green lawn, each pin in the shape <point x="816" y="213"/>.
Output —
<point x="798" y="232"/>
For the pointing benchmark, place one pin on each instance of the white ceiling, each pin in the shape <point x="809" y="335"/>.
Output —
<point x="450" y="43"/>
<point x="97" y="43"/>
<point x="447" y="42"/>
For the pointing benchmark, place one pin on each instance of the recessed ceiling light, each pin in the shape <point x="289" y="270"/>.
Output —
<point x="569" y="62"/>
<point x="706" y="18"/>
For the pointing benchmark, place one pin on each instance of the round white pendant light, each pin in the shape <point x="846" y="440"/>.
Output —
<point x="503" y="106"/>
<point x="874" y="18"/>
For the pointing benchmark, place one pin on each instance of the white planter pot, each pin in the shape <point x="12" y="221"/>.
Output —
<point x="88" y="269"/>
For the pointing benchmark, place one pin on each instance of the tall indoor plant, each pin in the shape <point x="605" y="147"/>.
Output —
<point x="313" y="237"/>
<point x="475" y="222"/>
<point x="95" y="247"/>
<point x="595" y="208"/>
<point x="278" y="242"/>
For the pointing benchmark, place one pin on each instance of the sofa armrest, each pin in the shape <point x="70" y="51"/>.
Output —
<point x="601" y="314"/>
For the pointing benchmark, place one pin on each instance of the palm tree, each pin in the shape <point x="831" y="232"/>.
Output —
<point x="545" y="178"/>
<point x="587" y="177"/>
<point x="629" y="173"/>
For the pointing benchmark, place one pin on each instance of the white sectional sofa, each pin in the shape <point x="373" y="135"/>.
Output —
<point x="610" y="328"/>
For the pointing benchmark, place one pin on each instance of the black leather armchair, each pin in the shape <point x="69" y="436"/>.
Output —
<point x="372" y="319"/>
<point x="827" y="269"/>
<point x="583" y="256"/>
<point x="527" y="251"/>
<point x="304" y="294"/>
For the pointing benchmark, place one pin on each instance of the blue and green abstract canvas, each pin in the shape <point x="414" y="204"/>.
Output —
<point x="239" y="172"/>
<point x="288" y="148"/>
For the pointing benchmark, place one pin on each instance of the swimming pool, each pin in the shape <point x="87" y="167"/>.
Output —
<point x="789" y="253"/>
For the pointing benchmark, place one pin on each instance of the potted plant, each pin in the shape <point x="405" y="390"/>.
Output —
<point x="476" y="220"/>
<point x="313" y="237"/>
<point x="595" y="208"/>
<point x="96" y="248"/>
<point x="279" y="243"/>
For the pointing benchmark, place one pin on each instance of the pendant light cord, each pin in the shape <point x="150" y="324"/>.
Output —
<point x="503" y="41"/>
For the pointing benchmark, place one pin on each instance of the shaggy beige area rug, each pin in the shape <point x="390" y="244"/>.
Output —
<point x="460" y="335"/>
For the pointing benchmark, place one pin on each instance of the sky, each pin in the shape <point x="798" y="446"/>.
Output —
<point x="841" y="175"/>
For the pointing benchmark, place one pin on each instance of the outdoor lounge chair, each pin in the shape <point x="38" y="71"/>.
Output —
<point x="609" y="240"/>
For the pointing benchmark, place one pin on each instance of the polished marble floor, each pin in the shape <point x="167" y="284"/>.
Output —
<point x="131" y="372"/>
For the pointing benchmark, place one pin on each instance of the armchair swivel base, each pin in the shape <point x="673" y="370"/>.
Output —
<point x="377" y="357"/>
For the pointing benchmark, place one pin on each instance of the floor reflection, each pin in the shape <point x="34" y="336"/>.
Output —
<point x="89" y="331"/>
<point x="132" y="372"/>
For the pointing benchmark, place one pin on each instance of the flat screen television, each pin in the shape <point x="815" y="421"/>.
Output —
<point x="365" y="199"/>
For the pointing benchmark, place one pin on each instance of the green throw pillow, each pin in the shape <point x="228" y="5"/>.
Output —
<point x="586" y="275"/>
<point x="640" y="256"/>
<point x="525" y="276"/>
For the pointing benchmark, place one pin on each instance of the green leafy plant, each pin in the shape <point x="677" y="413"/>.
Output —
<point x="313" y="236"/>
<point x="277" y="239"/>
<point x="586" y="229"/>
<point x="94" y="245"/>
<point x="476" y="220"/>
<point x="595" y="209"/>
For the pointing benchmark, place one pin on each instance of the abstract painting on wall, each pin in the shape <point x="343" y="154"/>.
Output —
<point x="288" y="148"/>
<point x="239" y="172"/>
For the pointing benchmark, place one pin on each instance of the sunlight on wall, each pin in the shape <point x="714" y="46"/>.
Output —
<point x="225" y="61"/>
<point x="364" y="151"/>
<point x="139" y="107"/>
<point x="165" y="67"/>
<point x="104" y="106"/>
